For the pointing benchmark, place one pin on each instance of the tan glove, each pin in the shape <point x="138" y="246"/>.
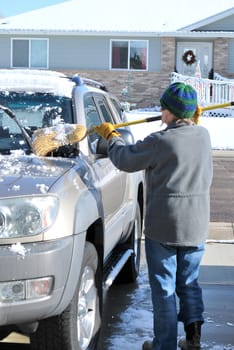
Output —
<point x="106" y="130"/>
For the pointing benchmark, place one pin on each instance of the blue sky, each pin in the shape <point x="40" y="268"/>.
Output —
<point x="15" y="7"/>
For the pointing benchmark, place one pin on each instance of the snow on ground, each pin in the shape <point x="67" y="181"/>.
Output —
<point x="220" y="128"/>
<point x="221" y="132"/>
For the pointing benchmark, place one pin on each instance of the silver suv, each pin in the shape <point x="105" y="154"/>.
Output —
<point x="70" y="222"/>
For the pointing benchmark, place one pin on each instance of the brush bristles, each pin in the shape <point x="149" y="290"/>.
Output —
<point x="44" y="143"/>
<point x="49" y="139"/>
<point x="77" y="134"/>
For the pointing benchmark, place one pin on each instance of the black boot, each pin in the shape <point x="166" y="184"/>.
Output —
<point x="193" y="337"/>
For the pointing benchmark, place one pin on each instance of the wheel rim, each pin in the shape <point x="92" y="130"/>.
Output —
<point x="86" y="308"/>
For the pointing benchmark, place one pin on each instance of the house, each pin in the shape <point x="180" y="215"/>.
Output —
<point x="133" y="58"/>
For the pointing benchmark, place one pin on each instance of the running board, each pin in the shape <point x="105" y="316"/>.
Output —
<point x="117" y="267"/>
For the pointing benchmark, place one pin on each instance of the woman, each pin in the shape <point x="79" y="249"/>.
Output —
<point x="178" y="168"/>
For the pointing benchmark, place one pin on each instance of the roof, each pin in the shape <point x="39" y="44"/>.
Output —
<point x="102" y="17"/>
<point x="85" y="15"/>
<point x="210" y="19"/>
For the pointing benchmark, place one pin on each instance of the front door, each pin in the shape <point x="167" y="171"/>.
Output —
<point x="194" y="58"/>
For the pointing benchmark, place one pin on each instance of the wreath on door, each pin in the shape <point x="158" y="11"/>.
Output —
<point x="189" y="57"/>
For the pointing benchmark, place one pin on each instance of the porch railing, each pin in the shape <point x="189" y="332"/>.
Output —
<point x="210" y="92"/>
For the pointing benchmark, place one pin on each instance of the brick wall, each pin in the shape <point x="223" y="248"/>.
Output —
<point x="220" y="56"/>
<point x="145" y="88"/>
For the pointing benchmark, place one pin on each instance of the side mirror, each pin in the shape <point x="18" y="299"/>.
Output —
<point x="126" y="135"/>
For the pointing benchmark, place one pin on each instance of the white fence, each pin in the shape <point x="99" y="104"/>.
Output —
<point x="210" y="92"/>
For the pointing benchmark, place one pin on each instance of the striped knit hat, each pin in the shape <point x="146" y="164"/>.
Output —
<point x="180" y="99"/>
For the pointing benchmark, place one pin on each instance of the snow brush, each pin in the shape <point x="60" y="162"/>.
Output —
<point x="48" y="139"/>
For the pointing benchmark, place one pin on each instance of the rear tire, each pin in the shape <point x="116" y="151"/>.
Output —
<point x="130" y="271"/>
<point x="77" y="328"/>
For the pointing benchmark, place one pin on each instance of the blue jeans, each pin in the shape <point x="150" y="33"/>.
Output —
<point x="173" y="271"/>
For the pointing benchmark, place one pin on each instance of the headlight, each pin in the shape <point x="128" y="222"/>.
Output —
<point x="16" y="291"/>
<point x="20" y="217"/>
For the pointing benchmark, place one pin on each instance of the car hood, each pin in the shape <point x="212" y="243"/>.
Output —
<point x="25" y="175"/>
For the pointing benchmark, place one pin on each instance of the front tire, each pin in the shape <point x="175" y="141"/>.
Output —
<point x="78" y="326"/>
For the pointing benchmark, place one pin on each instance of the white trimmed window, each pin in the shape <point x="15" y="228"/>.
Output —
<point x="29" y="53"/>
<point x="129" y="54"/>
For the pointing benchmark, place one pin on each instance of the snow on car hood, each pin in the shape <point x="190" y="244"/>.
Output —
<point x="24" y="175"/>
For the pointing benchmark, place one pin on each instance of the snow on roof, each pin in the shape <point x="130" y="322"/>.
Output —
<point x="86" y="15"/>
<point x="102" y="17"/>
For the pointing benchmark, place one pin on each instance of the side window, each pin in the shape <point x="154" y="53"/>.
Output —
<point x="92" y="118"/>
<point x="118" y="107"/>
<point x="105" y="112"/>
<point x="104" y="109"/>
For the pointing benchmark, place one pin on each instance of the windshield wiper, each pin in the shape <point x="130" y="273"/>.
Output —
<point x="9" y="112"/>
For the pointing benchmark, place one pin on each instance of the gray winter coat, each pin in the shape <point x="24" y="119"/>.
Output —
<point x="178" y="169"/>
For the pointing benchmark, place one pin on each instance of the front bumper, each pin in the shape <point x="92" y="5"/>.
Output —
<point x="51" y="258"/>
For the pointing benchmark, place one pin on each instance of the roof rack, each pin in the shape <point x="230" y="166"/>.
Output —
<point x="78" y="80"/>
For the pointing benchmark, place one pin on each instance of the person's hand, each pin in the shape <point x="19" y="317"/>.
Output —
<point x="106" y="130"/>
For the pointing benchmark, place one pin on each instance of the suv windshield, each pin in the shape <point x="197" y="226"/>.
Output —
<point x="33" y="110"/>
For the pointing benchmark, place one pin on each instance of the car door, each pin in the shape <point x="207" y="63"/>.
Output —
<point x="110" y="179"/>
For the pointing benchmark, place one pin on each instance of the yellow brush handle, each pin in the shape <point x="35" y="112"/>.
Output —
<point x="221" y="105"/>
<point x="139" y="121"/>
<point x="158" y="117"/>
